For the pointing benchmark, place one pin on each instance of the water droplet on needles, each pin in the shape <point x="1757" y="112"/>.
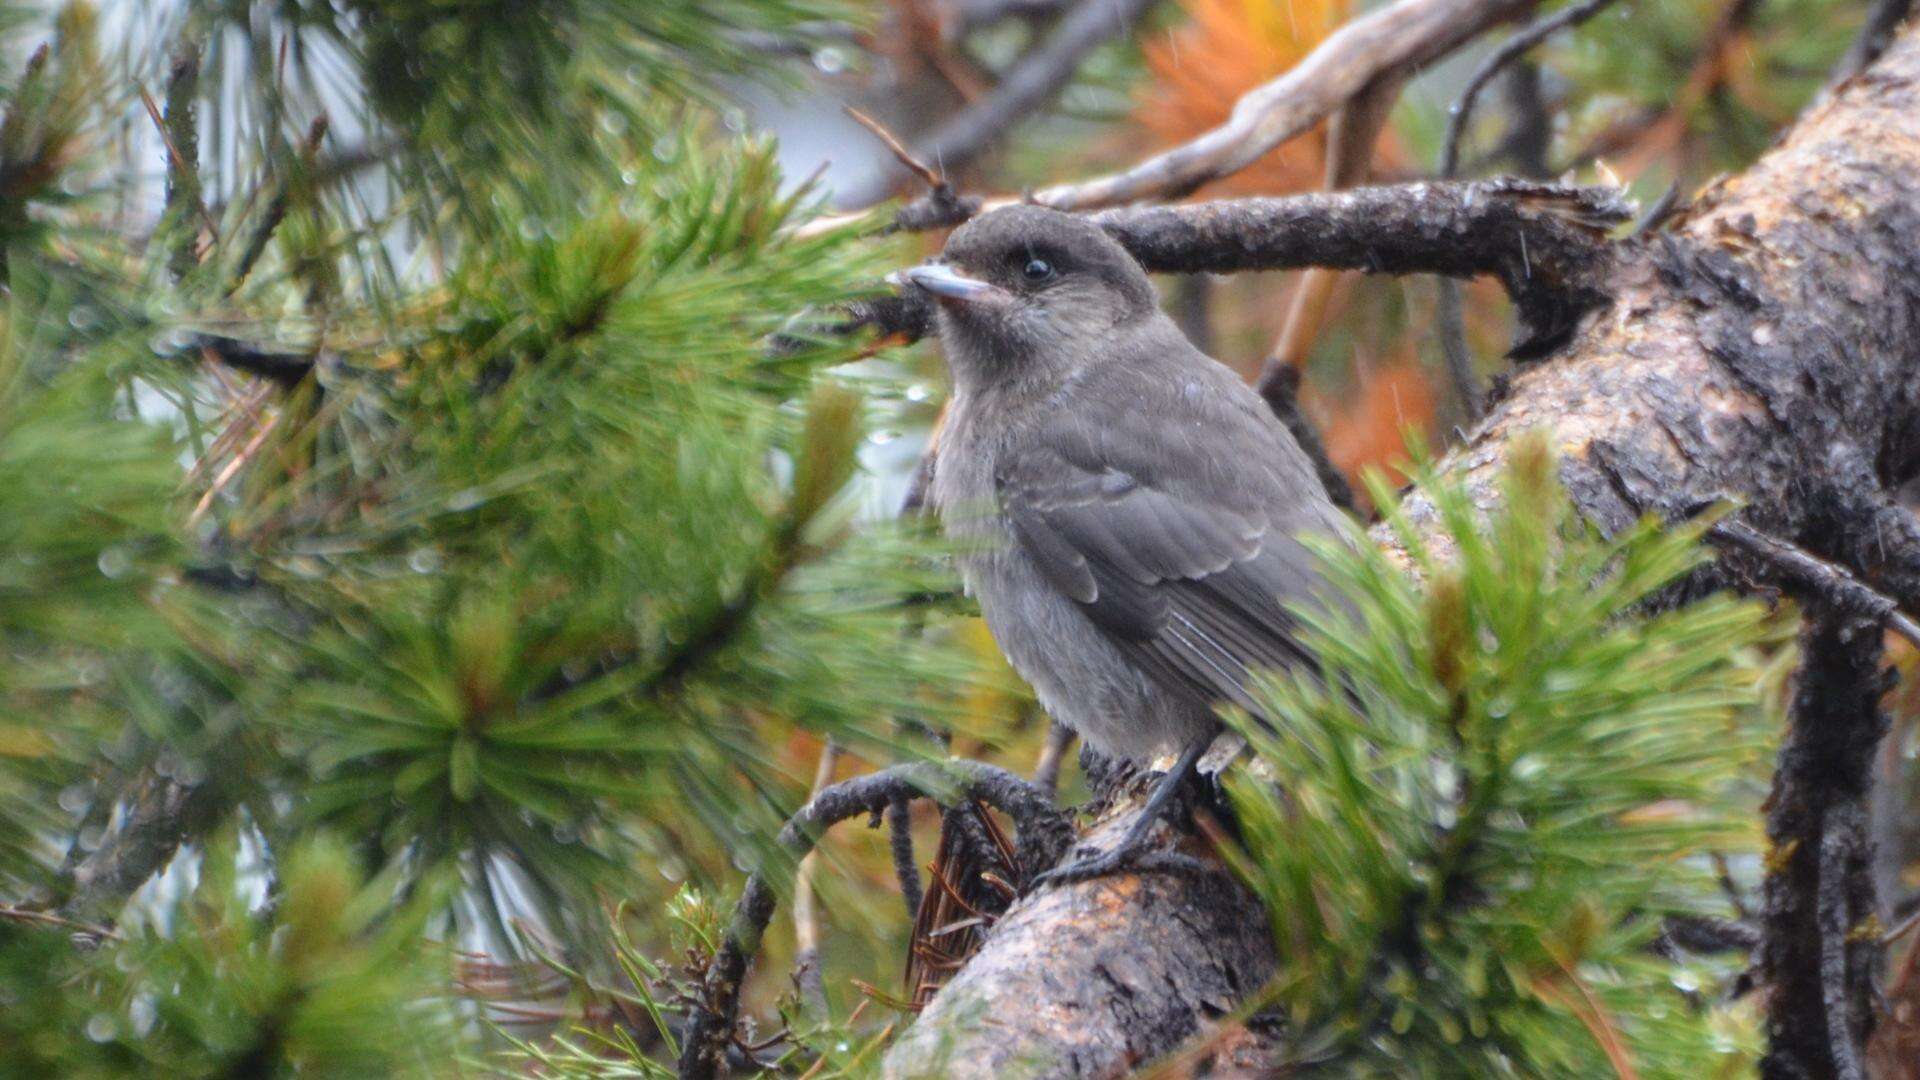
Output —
<point x="100" y="1028"/>
<point x="830" y="61"/>
<point x="1686" y="981"/>
<point x="115" y="561"/>
<point x="75" y="797"/>
<point x="423" y="560"/>
<point x="141" y="1014"/>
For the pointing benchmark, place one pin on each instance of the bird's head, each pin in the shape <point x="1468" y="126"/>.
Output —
<point x="1028" y="289"/>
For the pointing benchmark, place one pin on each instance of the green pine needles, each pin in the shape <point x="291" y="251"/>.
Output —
<point x="1470" y="845"/>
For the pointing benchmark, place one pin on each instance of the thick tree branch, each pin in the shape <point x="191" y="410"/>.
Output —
<point x="1765" y="348"/>
<point x="1545" y="242"/>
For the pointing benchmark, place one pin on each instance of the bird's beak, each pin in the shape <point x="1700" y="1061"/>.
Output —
<point x="949" y="284"/>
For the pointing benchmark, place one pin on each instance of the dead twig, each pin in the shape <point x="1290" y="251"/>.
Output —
<point x="1812" y="577"/>
<point x="1451" y="313"/>
<point x="84" y="930"/>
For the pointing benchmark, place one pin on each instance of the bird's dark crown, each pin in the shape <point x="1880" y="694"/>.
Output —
<point x="1000" y="246"/>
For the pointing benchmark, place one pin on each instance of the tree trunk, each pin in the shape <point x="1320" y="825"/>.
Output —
<point x="1764" y="349"/>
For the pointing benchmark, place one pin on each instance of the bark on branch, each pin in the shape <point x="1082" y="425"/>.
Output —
<point x="1545" y="242"/>
<point x="1766" y="350"/>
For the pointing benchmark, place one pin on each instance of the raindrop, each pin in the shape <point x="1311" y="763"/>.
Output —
<point x="141" y="1013"/>
<point x="1686" y="981"/>
<point x="424" y="560"/>
<point x="830" y="60"/>
<point x="530" y="228"/>
<point x="83" y="317"/>
<point x="882" y="438"/>
<point x="665" y="148"/>
<point x="917" y="392"/>
<point x="74" y="799"/>
<point x="115" y="562"/>
<point x="613" y="123"/>
<point x="100" y="1028"/>
<point x="462" y="501"/>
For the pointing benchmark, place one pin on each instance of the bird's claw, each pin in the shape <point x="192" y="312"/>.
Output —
<point x="1137" y="859"/>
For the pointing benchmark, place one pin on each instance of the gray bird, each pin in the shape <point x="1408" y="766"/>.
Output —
<point x="1127" y="510"/>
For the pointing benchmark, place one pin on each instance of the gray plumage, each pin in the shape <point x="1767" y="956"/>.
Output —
<point x="1127" y="508"/>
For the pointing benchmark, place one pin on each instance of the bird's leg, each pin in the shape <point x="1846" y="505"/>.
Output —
<point x="1134" y="852"/>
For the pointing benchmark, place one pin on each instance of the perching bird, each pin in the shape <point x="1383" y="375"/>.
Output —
<point x="1128" y="510"/>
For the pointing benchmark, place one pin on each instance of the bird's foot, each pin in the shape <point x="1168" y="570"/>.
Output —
<point x="1136" y="853"/>
<point x="1126" y="859"/>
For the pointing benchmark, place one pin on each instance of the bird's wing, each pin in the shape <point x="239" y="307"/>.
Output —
<point x="1184" y="560"/>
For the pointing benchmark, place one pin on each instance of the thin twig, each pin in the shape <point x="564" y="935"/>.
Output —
<point x="1029" y="84"/>
<point x="276" y="209"/>
<point x="1902" y="928"/>
<point x="899" y="150"/>
<point x="179" y="168"/>
<point x="48" y="918"/>
<point x="1351" y="136"/>
<point x="807" y="976"/>
<point x="1510" y="50"/>
<point x="1808" y="574"/>
<point x="1450" y="313"/>
<point x="900" y="843"/>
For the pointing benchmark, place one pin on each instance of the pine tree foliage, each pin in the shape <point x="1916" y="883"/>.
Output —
<point x="1477" y="824"/>
<point x="520" y="583"/>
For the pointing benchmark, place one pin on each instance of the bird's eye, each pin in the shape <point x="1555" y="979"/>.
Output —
<point x="1037" y="270"/>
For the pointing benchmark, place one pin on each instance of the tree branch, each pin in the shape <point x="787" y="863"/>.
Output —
<point x="160" y="814"/>
<point x="1547" y="243"/>
<point x="1392" y="40"/>
<point x="1043" y="834"/>
<point x="1820" y="894"/>
<point x="1032" y="82"/>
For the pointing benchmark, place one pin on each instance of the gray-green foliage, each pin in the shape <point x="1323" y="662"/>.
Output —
<point x="1508" y="779"/>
